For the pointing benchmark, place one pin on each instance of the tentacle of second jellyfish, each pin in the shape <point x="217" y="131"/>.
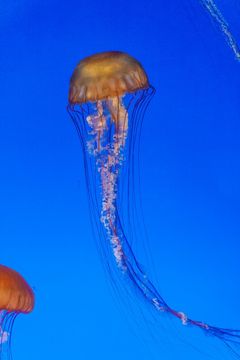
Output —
<point x="4" y="335"/>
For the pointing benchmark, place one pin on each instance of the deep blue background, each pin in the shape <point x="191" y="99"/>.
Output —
<point x="190" y="170"/>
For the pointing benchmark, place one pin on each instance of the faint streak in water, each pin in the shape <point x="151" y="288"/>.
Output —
<point x="217" y="16"/>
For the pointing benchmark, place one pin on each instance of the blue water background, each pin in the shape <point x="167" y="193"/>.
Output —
<point x="190" y="171"/>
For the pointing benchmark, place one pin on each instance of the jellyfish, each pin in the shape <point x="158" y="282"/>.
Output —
<point x="218" y="18"/>
<point x="108" y="96"/>
<point x="16" y="297"/>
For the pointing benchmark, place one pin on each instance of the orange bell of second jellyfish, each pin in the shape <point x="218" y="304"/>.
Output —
<point x="15" y="294"/>
<point x="16" y="297"/>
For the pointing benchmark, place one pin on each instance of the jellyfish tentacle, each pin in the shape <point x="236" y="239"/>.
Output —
<point x="217" y="16"/>
<point x="109" y="157"/>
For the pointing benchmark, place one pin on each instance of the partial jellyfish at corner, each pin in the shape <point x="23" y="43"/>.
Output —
<point x="217" y="16"/>
<point x="108" y="96"/>
<point x="16" y="297"/>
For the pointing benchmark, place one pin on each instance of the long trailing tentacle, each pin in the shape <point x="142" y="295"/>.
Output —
<point x="106" y="128"/>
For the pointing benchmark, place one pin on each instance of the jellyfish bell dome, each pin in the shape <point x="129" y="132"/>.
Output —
<point x="104" y="75"/>
<point x="15" y="294"/>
